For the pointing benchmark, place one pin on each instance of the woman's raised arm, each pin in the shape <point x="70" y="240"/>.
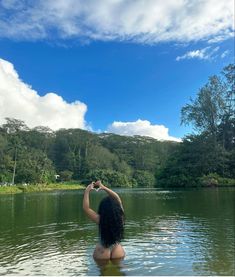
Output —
<point x="86" y="204"/>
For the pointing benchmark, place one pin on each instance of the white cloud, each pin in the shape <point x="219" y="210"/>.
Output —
<point x="203" y="54"/>
<point x="144" y="21"/>
<point x="19" y="100"/>
<point x="142" y="128"/>
<point x="225" y="53"/>
<point x="226" y="35"/>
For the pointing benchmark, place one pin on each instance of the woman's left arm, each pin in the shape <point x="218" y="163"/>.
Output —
<point x="86" y="205"/>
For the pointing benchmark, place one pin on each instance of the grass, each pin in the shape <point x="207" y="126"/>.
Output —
<point x="9" y="190"/>
<point x="39" y="188"/>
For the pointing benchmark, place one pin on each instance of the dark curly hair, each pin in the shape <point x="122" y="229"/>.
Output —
<point x="111" y="223"/>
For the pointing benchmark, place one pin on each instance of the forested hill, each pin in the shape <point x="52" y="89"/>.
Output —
<point x="39" y="154"/>
<point x="206" y="157"/>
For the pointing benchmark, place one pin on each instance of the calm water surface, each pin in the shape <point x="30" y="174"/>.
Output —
<point x="181" y="232"/>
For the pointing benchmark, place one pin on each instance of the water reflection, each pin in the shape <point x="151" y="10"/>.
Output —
<point x="112" y="267"/>
<point x="167" y="233"/>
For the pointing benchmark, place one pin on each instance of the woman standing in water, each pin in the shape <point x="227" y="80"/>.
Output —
<point x="110" y="218"/>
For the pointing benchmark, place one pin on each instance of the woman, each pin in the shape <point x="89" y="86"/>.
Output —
<point x="110" y="218"/>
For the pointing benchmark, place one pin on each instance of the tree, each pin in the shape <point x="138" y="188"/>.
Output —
<point x="144" y="178"/>
<point x="6" y="162"/>
<point x="111" y="177"/>
<point x="34" y="167"/>
<point x="65" y="175"/>
<point x="226" y="131"/>
<point x="213" y="110"/>
<point x="207" y="110"/>
<point x="210" y="150"/>
<point x="14" y="125"/>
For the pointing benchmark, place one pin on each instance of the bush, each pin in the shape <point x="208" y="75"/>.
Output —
<point x="144" y="178"/>
<point x="65" y="175"/>
<point x="214" y="180"/>
<point x="210" y="180"/>
<point x="178" y="180"/>
<point x="110" y="177"/>
<point x="5" y="177"/>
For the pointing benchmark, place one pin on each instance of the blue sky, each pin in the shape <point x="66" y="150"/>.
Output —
<point x="117" y="79"/>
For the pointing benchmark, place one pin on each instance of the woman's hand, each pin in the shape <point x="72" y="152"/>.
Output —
<point x="90" y="187"/>
<point x="99" y="185"/>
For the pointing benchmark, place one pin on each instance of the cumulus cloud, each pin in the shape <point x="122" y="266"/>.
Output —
<point x="148" y="21"/>
<point x="206" y="53"/>
<point x="19" y="100"/>
<point x="142" y="128"/>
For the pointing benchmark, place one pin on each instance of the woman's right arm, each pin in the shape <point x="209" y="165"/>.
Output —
<point x="86" y="205"/>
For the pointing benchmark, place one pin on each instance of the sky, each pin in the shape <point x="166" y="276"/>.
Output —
<point x="121" y="66"/>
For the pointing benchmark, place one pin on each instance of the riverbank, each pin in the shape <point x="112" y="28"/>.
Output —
<point x="38" y="188"/>
<point x="210" y="181"/>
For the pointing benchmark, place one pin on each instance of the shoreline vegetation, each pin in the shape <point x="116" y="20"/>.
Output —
<point x="14" y="189"/>
<point x="212" y="181"/>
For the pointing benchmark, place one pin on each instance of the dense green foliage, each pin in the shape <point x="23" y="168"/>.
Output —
<point x="37" y="155"/>
<point x="207" y="157"/>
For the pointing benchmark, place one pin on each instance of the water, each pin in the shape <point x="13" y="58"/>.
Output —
<point x="181" y="232"/>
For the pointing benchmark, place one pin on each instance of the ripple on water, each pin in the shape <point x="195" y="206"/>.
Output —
<point x="175" y="241"/>
<point x="36" y="252"/>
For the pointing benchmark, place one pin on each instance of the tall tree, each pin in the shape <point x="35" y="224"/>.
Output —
<point x="205" y="113"/>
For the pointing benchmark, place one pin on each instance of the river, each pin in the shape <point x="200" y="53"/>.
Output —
<point x="179" y="232"/>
